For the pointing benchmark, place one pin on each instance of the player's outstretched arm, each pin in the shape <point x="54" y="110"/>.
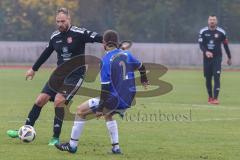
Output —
<point x="43" y="57"/>
<point x="91" y="37"/>
<point x="125" y="45"/>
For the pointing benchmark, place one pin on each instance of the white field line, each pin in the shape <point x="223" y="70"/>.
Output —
<point x="198" y="105"/>
<point x="215" y="119"/>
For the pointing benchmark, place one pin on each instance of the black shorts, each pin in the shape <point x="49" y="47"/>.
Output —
<point x="74" y="81"/>
<point x="212" y="66"/>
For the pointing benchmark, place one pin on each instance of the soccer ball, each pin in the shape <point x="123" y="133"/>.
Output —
<point x="27" y="133"/>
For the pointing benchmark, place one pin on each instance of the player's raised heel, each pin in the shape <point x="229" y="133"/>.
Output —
<point x="66" y="147"/>
<point x="53" y="141"/>
<point x="12" y="133"/>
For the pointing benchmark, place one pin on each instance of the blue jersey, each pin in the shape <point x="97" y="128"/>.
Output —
<point x="117" y="69"/>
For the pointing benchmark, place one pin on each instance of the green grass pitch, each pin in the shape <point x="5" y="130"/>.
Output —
<point x="177" y="126"/>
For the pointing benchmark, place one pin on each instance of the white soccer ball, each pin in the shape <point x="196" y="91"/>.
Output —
<point x="27" y="133"/>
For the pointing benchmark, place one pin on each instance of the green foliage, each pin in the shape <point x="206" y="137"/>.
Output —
<point x="139" y="20"/>
<point x="15" y="24"/>
<point x="30" y="19"/>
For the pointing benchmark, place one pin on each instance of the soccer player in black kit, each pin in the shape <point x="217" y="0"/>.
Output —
<point x="210" y="40"/>
<point x="68" y="41"/>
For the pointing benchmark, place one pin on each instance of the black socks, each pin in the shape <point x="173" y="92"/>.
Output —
<point x="58" y="121"/>
<point x="209" y="86"/>
<point x="33" y="115"/>
<point x="216" y="86"/>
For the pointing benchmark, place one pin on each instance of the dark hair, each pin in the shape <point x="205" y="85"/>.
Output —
<point x="212" y="15"/>
<point x="62" y="10"/>
<point x="110" y="37"/>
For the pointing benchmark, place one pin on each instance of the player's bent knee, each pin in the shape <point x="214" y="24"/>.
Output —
<point x="83" y="107"/>
<point x="83" y="112"/>
<point x="42" y="99"/>
<point x="108" y="117"/>
<point x="79" y="111"/>
<point x="59" y="100"/>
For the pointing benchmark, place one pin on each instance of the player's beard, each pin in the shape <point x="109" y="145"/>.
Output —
<point x="63" y="28"/>
<point x="212" y="25"/>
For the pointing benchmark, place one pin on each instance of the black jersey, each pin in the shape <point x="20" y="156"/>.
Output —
<point x="67" y="45"/>
<point x="211" y="40"/>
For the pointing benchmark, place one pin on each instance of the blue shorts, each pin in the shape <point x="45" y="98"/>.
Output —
<point x="94" y="104"/>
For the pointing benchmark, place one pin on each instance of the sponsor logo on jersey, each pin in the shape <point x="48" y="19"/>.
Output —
<point x="59" y="41"/>
<point x="211" y="44"/>
<point x="65" y="50"/>
<point x="65" y="54"/>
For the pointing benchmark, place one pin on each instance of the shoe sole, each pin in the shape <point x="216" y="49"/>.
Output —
<point x="52" y="144"/>
<point x="59" y="148"/>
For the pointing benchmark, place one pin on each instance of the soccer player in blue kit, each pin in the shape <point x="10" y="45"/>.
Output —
<point x="117" y="92"/>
